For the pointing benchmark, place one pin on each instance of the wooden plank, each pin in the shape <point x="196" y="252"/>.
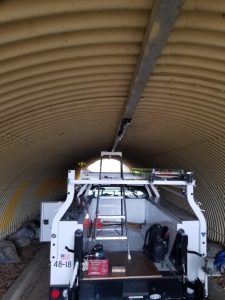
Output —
<point x="140" y="266"/>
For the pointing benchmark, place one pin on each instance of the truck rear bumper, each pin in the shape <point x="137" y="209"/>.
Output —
<point x="166" y="288"/>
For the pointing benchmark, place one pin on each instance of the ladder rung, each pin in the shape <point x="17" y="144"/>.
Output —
<point x="111" y="217"/>
<point x="102" y="238"/>
<point x="106" y="153"/>
<point x="108" y="224"/>
<point x="111" y="197"/>
<point x="106" y="229"/>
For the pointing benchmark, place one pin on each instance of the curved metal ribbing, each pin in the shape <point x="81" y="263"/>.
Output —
<point x="65" y="72"/>
<point x="180" y="121"/>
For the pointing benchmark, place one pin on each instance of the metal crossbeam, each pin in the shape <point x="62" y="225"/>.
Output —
<point x="106" y="153"/>
<point x="121" y="182"/>
<point x="162" y="18"/>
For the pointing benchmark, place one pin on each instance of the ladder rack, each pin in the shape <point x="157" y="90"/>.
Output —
<point x="111" y="233"/>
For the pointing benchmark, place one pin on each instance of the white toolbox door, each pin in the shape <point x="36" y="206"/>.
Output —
<point x="48" y="211"/>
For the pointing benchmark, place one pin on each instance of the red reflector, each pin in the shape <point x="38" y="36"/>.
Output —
<point x="55" y="293"/>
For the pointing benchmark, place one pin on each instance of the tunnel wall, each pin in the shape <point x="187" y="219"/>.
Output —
<point x="21" y="201"/>
<point x="66" y="68"/>
<point x="207" y="162"/>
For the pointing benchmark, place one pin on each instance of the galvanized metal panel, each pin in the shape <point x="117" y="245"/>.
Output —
<point x="65" y="71"/>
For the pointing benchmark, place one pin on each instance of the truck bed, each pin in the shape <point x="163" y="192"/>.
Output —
<point x="138" y="267"/>
<point x="140" y="280"/>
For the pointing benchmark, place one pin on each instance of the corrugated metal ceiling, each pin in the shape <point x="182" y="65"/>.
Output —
<point x="65" y="72"/>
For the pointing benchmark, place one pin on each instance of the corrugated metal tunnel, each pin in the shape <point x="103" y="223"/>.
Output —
<point x="66" y="72"/>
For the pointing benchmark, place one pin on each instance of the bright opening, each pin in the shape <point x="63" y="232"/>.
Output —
<point x="108" y="165"/>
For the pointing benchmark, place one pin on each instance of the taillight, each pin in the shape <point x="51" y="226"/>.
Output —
<point x="55" y="293"/>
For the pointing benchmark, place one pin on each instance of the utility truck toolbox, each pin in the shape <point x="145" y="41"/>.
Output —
<point x="96" y="254"/>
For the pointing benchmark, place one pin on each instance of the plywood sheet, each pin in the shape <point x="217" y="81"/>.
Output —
<point x="140" y="266"/>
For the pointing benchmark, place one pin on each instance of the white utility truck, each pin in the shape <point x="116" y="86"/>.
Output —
<point x="127" y="236"/>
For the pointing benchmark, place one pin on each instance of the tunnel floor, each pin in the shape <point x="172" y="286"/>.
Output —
<point x="9" y="272"/>
<point x="33" y="281"/>
<point x="40" y="288"/>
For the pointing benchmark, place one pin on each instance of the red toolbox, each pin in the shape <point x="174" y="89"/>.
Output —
<point x="98" y="267"/>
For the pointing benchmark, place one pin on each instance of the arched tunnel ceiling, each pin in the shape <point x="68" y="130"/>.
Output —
<point x="66" y="68"/>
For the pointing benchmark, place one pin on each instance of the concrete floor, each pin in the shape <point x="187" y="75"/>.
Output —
<point x="40" y="288"/>
<point x="39" y="284"/>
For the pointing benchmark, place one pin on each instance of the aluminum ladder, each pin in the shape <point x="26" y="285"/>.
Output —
<point x="110" y="222"/>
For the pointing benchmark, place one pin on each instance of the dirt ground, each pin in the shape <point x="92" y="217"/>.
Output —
<point x="220" y="280"/>
<point x="9" y="272"/>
